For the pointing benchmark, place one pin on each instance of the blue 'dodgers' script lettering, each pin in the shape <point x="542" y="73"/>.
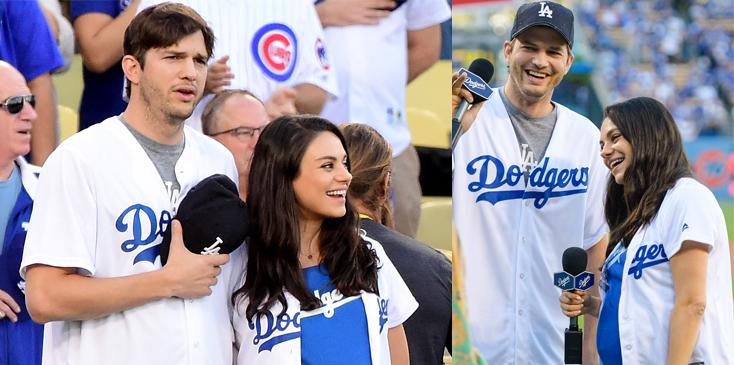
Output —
<point x="141" y="216"/>
<point x="647" y="256"/>
<point x="492" y="174"/>
<point x="265" y="325"/>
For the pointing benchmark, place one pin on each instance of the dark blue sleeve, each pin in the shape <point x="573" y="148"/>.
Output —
<point x="78" y="8"/>
<point x="36" y="52"/>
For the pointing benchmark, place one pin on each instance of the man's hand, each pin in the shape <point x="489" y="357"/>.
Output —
<point x="218" y="76"/>
<point x="191" y="275"/>
<point x="281" y="102"/>
<point x="339" y="13"/>
<point x="457" y="93"/>
<point x="8" y="307"/>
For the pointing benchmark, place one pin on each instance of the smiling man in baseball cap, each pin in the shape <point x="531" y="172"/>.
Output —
<point x="528" y="183"/>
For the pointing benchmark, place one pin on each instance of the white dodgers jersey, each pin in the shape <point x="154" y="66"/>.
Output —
<point x="513" y="233"/>
<point x="689" y="212"/>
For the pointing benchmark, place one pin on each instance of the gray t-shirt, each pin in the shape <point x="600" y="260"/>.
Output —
<point x="533" y="134"/>
<point x="164" y="157"/>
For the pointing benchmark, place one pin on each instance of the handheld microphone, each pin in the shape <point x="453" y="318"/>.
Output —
<point x="573" y="277"/>
<point x="478" y="76"/>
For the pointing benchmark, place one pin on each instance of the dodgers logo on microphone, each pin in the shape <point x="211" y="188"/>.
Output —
<point x="563" y="280"/>
<point x="476" y="85"/>
<point x="275" y="49"/>
<point x="567" y="282"/>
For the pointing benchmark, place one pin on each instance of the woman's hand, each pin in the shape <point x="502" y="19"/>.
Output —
<point x="579" y="302"/>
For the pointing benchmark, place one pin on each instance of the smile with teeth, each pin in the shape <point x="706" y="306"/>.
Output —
<point x="615" y="162"/>
<point x="535" y="74"/>
<point x="339" y="193"/>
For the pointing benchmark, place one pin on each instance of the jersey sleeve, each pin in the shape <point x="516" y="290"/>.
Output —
<point x="595" y="226"/>
<point x="62" y="229"/>
<point x="313" y="64"/>
<point x="425" y="13"/>
<point x="687" y="214"/>
<point x="401" y="303"/>
<point x="35" y="48"/>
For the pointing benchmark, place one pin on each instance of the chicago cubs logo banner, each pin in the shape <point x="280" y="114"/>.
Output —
<point x="275" y="50"/>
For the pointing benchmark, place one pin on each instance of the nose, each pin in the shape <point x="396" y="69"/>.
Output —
<point x="28" y="112"/>
<point x="540" y="60"/>
<point x="606" y="150"/>
<point x="188" y="69"/>
<point x="344" y="175"/>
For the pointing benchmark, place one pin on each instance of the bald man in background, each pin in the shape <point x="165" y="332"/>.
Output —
<point x="235" y="118"/>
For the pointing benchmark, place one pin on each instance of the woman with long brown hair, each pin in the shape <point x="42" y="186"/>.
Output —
<point x="315" y="291"/>
<point x="426" y="271"/>
<point x="667" y="277"/>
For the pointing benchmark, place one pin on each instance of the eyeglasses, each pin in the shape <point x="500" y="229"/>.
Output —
<point x="240" y="132"/>
<point x="14" y="104"/>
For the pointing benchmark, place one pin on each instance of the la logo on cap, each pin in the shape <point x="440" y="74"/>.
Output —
<point x="545" y="10"/>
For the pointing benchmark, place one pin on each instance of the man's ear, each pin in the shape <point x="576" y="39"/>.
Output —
<point x="569" y="62"/>
<point x="132" y="69"/>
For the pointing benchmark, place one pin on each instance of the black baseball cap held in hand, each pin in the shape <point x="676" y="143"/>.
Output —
<point x="213" y="218"/>
<point x="545" y="13"/>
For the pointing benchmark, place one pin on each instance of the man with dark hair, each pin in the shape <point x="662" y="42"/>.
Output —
<point x="235" y="119"/>
<point x="528" y="184"/>
<point x="105" y="199"/>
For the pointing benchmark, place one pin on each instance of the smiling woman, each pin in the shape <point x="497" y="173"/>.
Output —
<point x="669" y="249"/>
<point x="314" y="286"/>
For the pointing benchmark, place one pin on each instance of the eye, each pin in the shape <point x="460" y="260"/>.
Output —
<point x="200" y="60"/>
<point x="328" y="165"/>
<point x="615" y="137"/>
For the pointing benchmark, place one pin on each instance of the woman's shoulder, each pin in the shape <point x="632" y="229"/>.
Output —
<point x="690" y="189"/>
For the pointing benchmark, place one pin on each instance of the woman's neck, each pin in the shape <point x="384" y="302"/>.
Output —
<point x="310" y="250"/>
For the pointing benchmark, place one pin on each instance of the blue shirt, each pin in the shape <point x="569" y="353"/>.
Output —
<point x="9" y="190"/>
<point x="20" y="342"/>
<point x="102" y="94"/>
<point x="607" y="334"/>
<point x="338" y="333"/>
<point x="25" y="40"/>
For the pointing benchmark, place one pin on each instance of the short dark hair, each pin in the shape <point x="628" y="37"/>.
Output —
<point x="208" y="117"/>
<point x="161" y="26"/>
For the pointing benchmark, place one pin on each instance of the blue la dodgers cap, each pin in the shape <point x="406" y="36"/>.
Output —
<point x="544" y="13"/>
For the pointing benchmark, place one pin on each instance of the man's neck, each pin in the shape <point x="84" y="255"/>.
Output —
<point x="144" y="120"/>
<point x="243" y="187"/>
<point x="6" y="168"/>
<point x="531" y="107"/>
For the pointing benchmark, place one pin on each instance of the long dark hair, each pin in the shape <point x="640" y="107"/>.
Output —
<point x="371" y="161"/>
<point x="274" y="243"/>
<point x="658" y="161"/>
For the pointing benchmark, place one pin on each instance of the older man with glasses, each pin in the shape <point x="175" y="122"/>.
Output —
<point x="20" y="337"/>
<point x="235" y="118"/>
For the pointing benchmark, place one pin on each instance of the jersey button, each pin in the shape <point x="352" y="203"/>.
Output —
<point x="519" y="313"/>
<point x="628" y="347"/>
<point x="522" y="276"/>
